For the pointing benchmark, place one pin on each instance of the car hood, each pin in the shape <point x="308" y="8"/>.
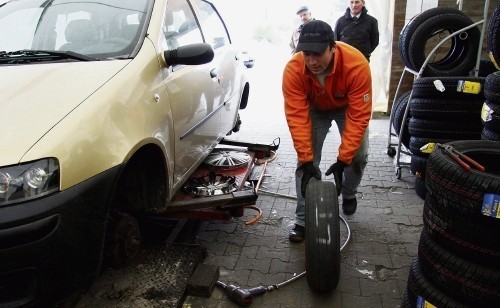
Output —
<point x="34" y="98"/>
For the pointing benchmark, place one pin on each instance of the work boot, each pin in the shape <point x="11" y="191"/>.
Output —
<point x="349" y="206"/>
<point x="297" y="234"/>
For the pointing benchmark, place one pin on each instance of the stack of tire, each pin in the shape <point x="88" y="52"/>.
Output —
<point x="458" y="262"/>
<point x="442" y="109"/>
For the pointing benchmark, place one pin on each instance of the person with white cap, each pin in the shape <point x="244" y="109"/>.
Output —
<point x="327" y="81"/>
<point x="305" y="16"/>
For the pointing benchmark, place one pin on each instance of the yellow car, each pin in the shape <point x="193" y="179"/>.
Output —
<point x="107" y="107"/>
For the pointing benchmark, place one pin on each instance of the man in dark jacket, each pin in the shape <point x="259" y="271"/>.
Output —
<point x="358" y="29"/>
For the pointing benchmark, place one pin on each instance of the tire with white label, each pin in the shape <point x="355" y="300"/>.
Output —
<point x="464" y="88"/>
<point x="489" y="117"/>
<point x="417" y="143"/>
<point x="322" y="236"/>
<point x="453" y="185"/>
<point x="462" y="193"/>
<point x="460" y="231"/>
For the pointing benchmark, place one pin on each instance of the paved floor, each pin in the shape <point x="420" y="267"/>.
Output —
<point x="374" y="264"/>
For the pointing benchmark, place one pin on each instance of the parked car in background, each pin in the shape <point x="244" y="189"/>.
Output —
<point x="248" y="60"/>
<point x="108" y="106"/>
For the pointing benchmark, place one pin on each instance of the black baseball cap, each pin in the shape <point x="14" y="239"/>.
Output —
<point x="315" y="36"/>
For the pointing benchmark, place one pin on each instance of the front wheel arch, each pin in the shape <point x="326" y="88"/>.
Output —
<point x="142" y="186"/>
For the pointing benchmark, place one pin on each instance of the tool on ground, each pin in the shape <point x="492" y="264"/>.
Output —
<point x="461" y="159"/>
<point x="242" y="297"/>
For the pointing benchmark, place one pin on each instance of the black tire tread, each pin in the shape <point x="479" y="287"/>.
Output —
<point x="322" y="222"/>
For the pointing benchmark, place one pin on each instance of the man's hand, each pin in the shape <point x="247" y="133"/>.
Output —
<point x="309" y="171"/>
<point x="338" y="172"/>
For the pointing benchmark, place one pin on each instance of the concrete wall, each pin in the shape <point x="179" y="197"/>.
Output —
<point x="473" y="8"/>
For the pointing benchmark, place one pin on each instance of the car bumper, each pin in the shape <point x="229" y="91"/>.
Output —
<point x="52" y="246"/>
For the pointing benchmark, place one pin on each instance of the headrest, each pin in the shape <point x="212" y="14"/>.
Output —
<point x="79" y="31"/>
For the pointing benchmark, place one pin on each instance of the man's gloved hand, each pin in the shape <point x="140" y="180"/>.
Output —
<point x="338" y="173"/>
<point x="309" y="171"/>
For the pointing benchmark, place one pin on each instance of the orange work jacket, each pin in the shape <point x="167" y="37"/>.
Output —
<point x="348" y="84"/>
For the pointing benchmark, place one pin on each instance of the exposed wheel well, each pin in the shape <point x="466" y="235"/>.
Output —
<point x="142" y="186"/>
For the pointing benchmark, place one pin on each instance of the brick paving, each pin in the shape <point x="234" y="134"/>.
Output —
<point x="374" y="264"/>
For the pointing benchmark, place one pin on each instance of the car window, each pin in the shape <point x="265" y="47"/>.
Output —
<point x="101" y="29"/>
<point x="180" y="27"/>
<point x="211" y="24"/>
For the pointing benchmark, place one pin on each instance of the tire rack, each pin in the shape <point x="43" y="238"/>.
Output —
<point x="391" y="151"/>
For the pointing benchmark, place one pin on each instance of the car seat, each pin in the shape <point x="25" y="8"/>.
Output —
<point x="79" y="33"/>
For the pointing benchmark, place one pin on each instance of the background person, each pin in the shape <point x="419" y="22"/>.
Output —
<point x="327" y="82"/>
<point x="358" y="29"/>
<point x="305" y="17"/>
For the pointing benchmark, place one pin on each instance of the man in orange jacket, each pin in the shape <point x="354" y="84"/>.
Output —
<point x="327" y="81"/>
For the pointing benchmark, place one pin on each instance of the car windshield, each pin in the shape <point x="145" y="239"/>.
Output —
<point x="93" y="29"/>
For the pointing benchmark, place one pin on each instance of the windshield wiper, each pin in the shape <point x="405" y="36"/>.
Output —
<point x="28" y="55"/>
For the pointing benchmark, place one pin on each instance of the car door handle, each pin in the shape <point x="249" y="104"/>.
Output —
<point x="214" y="73"/>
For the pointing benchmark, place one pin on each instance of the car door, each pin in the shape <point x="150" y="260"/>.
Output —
<point x="194" y="92"/>
<point x="226" y="62"/>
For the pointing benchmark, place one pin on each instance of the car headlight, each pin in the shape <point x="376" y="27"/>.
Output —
<point x="28" y="181"/>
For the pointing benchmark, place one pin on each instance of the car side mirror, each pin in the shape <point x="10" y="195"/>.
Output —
<point x="192" y="54"/>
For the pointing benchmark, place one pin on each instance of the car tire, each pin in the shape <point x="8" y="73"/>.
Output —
<point x="408" y="31"/>
<point x="470" y="130"/>
<point x="468" y="282"/>
<point x="453" y="185"/>
<point x="493" y="37"/>
<point x="462" y="54"/>
<point x="489" y="135"/>
<point x="420" y="188"/>
<point x="446" y="109"/>
<point x="418" y="164"/>
<point x="486" y="67"/>
<point x="322" y="236"/>
<point x="464" y="228"/>
<point x="418" y="285"/>
<point x="492" y="88"/>
<point x="397" y="117"/>
<point x="453" y="191"/>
